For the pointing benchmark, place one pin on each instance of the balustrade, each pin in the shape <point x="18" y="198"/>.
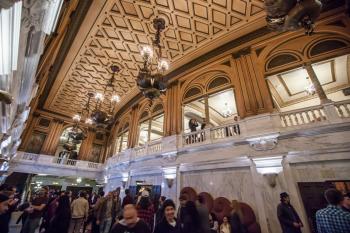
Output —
<point x="343" y="108"/>
<point x="303" y="116"/>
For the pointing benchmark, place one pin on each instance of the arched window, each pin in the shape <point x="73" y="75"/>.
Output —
<point x="215" y="106"/>
<point x="122" y="138"/>
<point x="64" y="139"/>
<point x="151" y="125"/>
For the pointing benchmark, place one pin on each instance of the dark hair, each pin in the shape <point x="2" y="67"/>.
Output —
<point x="200" y="199"/>
<point x="101" y="193"/>
<point x="167" y="203"/>
<point x="333" y="196"/>
<point x="63" y="205"/>
<point x="127" y="191"/>
<point x="144" y="203"/>
<point x="82" y="193"/>
<point x="162" y="198"/>
<point x="213" y="216"/>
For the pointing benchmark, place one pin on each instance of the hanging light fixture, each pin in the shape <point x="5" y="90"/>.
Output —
<point x="227" y="111"/>
<point x="150" y="79"/>
<point x="310" y="88"/>
<point x="94" y="113"/>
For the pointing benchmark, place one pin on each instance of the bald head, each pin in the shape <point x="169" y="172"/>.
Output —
<point x="130" y="215"/>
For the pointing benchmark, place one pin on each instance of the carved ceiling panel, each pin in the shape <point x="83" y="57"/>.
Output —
<point x="122" y="27"/>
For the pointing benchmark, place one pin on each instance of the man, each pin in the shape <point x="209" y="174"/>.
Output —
<point x="130" y="222"/>
<point x="80" y="211"/>
<point x="118" y="205"/>
<point x="203" y="214"/>
<point x="5" y="218"/>
<point x="346" y="202"/>
<point x="333" y="219"/>
<point x="182" y="200"/>
<point x="106" y="212"/>
<point x="4" y="203"/>
<point x="160" y="211"/>
<point x="287" y="216"/>
<point x="35" y="211"/>
<point x="127" y="199"/>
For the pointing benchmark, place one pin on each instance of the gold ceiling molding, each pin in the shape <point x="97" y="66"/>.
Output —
<point x="113" y="32"/>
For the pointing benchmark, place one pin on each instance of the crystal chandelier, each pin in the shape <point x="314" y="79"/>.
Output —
<point x="150" y="79"/>
<point x="93" y="112"/>
<point x="310" y="88"/>
<point x="227" y="111"/>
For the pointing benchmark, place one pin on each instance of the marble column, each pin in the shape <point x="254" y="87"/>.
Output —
<point x="319" y="90"/>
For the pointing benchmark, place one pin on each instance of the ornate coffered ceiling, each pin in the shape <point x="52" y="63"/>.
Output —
<point x="113" y="32"/>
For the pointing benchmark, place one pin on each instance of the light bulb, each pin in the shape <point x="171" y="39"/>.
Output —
<point x="115" y="98"/>
<point x="163" y="65"/>
<point x="147" y="53"/>
<point x="88" y="121"/>
<point x="76" y="118"/>
<point x="99" y="96"/>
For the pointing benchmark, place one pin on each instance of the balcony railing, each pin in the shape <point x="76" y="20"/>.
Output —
<point x="330" y="113"/>
<point x="303" y="116"/>
<point x="343" y="108"/>
<point x="54" y="161"/>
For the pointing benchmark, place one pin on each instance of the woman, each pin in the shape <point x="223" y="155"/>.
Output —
<point x="214" y="223"/>
<point x="145" y="210"/>
<point x="190" y="221"/>
<point x="168" y="224"/>
<point x="236" y="218"/>
<point x="225" y="226"/>
<point x="61" y="219"/>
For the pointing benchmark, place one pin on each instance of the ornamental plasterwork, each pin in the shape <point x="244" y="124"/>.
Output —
<point x="122" y="27"/>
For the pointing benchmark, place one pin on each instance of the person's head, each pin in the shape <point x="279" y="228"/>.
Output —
<point x="82" y="194"/>
<point x="68" y="193"/>
<point x="127" y="191"/>
<point x="284" y="197"/>
<point x="182" y="200"/>
<point x="169" y="210"/>
<point x="144" y="202"/>
<point x="333" y="196"/>
<point x="212" y="219"/>
<point x="117" y="191"/>
<point x="346" y="201"/>
<point x="130" y="215"/>
<point x="110" y="195"/>
<point x="62" y="193"/>
<point x="225" y="219"/>
<point x="200" y="200"/>
<point x="161" y="200"/>
<point x="101" y="193"/>
<point x="4" y="203"/>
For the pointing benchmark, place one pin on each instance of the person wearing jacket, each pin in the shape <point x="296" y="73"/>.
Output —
<point x="62" y="216"/>
<point x="130" y="222"/>
<point x="80" y="211"/>
<point x="169" y="223"/>
<point x="106" y="211"/>
<point x="287" y="216"/>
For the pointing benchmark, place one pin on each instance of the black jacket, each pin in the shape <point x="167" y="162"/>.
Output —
<point x="165" y="227"/>
<point x="287" y="216"/>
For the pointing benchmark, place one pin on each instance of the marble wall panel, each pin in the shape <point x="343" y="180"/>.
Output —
<point x="234" y="184"/>
<point x="321" y="171"/>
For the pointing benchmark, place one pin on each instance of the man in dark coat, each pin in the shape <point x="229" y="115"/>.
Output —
<point x="288" y="217"/>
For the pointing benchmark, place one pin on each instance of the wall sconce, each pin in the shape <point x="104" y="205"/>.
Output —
<point x="269" y="167"/>
<point x="169" y="175"/>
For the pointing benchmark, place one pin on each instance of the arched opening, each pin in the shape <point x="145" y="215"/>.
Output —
<point x="66" y="142"/>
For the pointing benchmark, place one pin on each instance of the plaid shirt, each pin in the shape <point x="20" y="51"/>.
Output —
<point x="332" y="220"/>
<point x="147" y="215"/>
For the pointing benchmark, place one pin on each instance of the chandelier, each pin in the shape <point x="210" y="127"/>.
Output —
<point x="310" y="88"/>
<point x="150" y="78"/>
<point x="227" y="112"/>
<point x="93" y="112"/>
<point x="290" y="15"/>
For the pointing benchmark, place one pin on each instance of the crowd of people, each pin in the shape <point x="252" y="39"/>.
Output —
<point x="60" y="212"/>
